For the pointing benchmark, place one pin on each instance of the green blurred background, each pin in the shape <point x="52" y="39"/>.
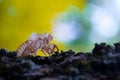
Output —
<point x="75" y="24"/>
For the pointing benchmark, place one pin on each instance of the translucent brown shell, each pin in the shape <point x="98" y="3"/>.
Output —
<point x="37" y="41"/>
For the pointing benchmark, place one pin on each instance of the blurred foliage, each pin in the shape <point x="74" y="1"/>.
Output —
<point x="19" y="18"/>
<point x="76" y="34"/>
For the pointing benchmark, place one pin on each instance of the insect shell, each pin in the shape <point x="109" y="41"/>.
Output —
<point x="35" y="42"/>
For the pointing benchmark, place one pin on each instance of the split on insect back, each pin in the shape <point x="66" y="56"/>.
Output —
<point x="37" y="42"/>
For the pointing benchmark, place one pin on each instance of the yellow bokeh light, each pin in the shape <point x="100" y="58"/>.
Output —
<point x="19" y="18"/>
